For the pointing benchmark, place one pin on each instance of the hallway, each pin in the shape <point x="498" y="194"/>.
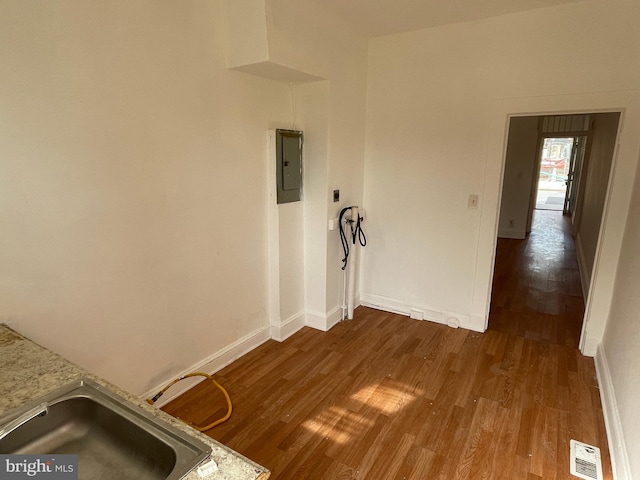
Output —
<point x="536" y="286"/>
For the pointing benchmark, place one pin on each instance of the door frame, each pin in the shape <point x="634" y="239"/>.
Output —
<point x="624" y="164"/>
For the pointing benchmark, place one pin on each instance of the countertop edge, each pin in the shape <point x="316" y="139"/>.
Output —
<point x="30" y="370"/>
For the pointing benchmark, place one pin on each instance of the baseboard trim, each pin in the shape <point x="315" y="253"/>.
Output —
<point x="287" y="328"/>
<point x="615" y="437"/>
<point x="225" y="356"/>
<point x="334" y="317"/>
<point x="211" y="365"/>
<point x="394" y="305"/>
<point x="323" y="322"/>
<point x="316" y="320"/>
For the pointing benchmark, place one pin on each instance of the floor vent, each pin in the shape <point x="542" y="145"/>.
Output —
<point x="585" y="461"/>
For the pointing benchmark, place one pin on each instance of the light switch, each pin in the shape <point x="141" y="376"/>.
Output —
<point x="473" y="201"/>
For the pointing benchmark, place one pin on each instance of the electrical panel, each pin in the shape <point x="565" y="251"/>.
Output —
<point x="289" y="165"/>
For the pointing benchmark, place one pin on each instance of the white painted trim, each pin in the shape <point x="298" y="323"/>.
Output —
<point x="335" y="315"/>
<point x="324" y="322"/>
<point x="512" y="233"/>
<point x="316" y="320"/>
<point x="589" y="345"/>
<point x="394" y="305"/>
<point x="479" y="320"/>
<point x="224" y="357"/>
<point x="287" y="328"/>
<point x="585" y="274"/>
<point x="273" y="232"/>
<point x="210" y="365"/>
<point x="615" y="437"/>
<point x="617" y="204"/>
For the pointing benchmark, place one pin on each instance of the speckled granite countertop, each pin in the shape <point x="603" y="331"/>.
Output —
<point x="28" y="371"/>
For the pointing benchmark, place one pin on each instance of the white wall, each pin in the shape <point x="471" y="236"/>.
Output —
<point x="133" y="186"/>
<point x="298" y="258"/>
<point x="591" y="201"/>
<point x="519" y="169"/>
<point x="438" y="103"/>
<point x="620" y="356"/>
<point x="309" y="38"/>
<point x="324" y="61"/>
<point x="312" y="117"/>
<point x="291" y="270"/>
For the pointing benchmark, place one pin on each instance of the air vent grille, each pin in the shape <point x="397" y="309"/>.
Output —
<point x="585" y="461"/>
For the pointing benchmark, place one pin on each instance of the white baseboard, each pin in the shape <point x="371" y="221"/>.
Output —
<point x="585" y="273"/>
<point x="399" y="306"/>
<point x="224" y="357"/>
<point x="617" y="446"/>
<point x="512" y="233"/>
<point x="287" y="328"/>
<point x="590" y="345"/>
<point x="335" y="316"/>
<point x="211" y="365"/>
<point x="316" y="320"/>
<point x="323" y="322"/>
<point x="481" y="322"/>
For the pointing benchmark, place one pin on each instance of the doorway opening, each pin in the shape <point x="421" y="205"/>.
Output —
<point x="553" y="173"/>
<point x="555" y="186"/>
<point x="559" y="170"/>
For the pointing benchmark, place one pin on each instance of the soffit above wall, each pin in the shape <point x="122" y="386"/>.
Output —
<point x="279" y="72"/>
<point x="383" y="17"/>
<point x="247" y="45"/>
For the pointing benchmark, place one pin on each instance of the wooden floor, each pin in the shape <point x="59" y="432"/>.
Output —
<point x="536" y="285"/>
<point x="387" y="397"/>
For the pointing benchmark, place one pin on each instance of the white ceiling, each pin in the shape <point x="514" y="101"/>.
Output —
<point x="383" y="17"/>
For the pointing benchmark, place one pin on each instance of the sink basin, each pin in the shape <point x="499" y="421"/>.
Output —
<point x="113" y="438"/>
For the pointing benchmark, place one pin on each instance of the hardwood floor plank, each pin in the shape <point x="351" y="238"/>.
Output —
<point x="338" y="471"/>
<point x="390" y="458"/>
<point x="416" y="464"/>
<point x="353" y="452"/>
<point x="386" y="397"/>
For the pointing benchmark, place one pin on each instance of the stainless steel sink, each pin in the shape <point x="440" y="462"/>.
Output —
<point x="114" y="439"/>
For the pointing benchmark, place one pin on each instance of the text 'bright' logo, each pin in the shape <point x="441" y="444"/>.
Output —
<point x="51" y="467"/>
<point x="30" y="468"/>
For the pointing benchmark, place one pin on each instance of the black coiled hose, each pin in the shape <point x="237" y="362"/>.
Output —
<point x="356" y="234"/>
